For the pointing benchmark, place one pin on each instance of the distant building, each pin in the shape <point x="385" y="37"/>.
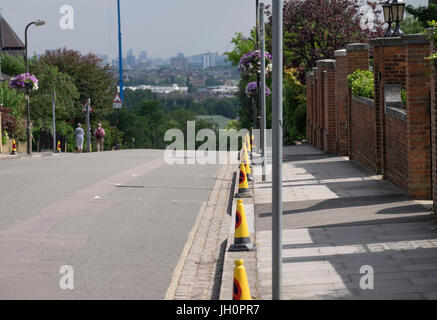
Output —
<point x="209" y="60"/>
<point x="160" y="89"/>
<point x="143" y="57"/>
<point x="130" y="58"/>
<point x="179" y="62"/>
<point x="221" y="61"/>
<point x="9" y="41"/>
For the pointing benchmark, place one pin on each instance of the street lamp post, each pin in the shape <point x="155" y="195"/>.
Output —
<point x="277" y="38"/>
<point x="36" y="23"/>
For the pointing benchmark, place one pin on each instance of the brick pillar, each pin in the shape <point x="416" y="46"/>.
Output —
<point x="341" y="90"/>
<point x="434" y="130"/>
<point x="315" y="111"/>
<point x="329" y="120"/>
<point x="418" y="116"/>
<point x="309" y="124"/>
<point x="357" y="57"/>
<point x="388" y="68"/>
<point x="321" y="104"/>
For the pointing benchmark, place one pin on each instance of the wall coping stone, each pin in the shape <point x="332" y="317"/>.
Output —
<point x="417" y="38"/>
<point x="326" y="63"/>
<point x="368" y="102"/>
<point x="340" y="53"/>
<point x="395" y="112"/>
<point x="357" y="47"/>
<point x="399" y="41"/>
<point x="309" y="73"/>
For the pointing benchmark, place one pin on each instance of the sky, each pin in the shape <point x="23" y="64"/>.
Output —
<point x="161" y="27"/>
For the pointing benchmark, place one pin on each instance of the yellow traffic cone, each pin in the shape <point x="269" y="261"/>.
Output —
<point x="247" y="165"/>
<point x="241" y="285"/>
<point x="248" y="143"/>
<point x="243" y="185"/>
<point x="241" y="236"/>
<point x="253" y="141"/>
<point x="14" y="148"/>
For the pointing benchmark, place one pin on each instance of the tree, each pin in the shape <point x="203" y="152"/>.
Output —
<point x="411" y="25"/>
<point x="242" y="46"/>
<point x="50" y="78"/>
<point x="90" y="78"/>
<point x="12" y="65"/>
<point x="423" y="14"/>
<point x="294" y="107"/>
<point x="314" y="29"/>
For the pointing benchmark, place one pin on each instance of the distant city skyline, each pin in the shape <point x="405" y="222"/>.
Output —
<point x="161" y="28"/>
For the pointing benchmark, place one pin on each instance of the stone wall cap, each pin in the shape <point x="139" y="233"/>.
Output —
<point x="327" y="63"/>
<point x="417" y="38"/>
<point x="357" y="46"/>
<point x="309" y="73"/>
<point x="340" y="53"/>
<point x="367" y="101"/>
<point x="386" y="42"/>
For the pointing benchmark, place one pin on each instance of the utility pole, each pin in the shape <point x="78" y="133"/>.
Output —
<point x="55" y="149"/>
<point x="263" y="92"/>
<point x="120" y="54"/>
<point x="88" y="125"/>
<point x="277" y="150"/>
<point x="256" y="116"/>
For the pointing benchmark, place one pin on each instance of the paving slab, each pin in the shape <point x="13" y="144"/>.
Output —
<point x="340" y="221"/>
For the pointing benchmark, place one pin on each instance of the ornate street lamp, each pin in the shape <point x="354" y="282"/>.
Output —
<point x="397" y="12"/>
<point x="388" y="18"/>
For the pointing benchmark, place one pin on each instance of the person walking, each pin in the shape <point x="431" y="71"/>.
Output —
<point x="79" y="133"/>
<point x="100" y="134"/>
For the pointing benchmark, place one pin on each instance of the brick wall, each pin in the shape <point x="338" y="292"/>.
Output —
<point x="396" y="144"/>
<point x="434" y="130"/>
<point x="363" y="131"/>
<point x="418" y="84"/>
<point x="341" y="92"/>
<point x="392" y="140"/>
<point x="329" y="133"/>
<point x="320" y="106"/>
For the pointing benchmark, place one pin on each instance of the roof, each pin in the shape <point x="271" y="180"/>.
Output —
<point x="8" y="37"/>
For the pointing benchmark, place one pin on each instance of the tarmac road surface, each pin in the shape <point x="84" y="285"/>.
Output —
<point x="119" y="219"/>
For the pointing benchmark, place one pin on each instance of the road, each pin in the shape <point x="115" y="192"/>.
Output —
<point x="119" y="219"/>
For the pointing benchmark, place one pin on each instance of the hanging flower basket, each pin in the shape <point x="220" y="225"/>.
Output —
<point x="250" y="63"/>
<point x="23" y="82"/>
<point x="251" y="89"/>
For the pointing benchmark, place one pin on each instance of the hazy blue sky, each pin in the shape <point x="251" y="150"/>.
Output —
<point x="161" y="27"/>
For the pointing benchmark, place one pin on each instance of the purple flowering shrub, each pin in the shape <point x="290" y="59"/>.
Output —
<point x="251" y="89"/>
<point x="250" y="63"/>
<point x="24" y="81"/>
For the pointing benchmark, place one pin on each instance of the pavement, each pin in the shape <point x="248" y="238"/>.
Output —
<point x="347" y="234"/>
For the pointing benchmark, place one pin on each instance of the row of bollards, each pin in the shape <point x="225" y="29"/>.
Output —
<point x="241" y="289"/>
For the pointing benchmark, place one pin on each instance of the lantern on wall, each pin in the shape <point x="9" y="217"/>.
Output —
<point x="397" y="9"/>
<point x="386" y="8"/>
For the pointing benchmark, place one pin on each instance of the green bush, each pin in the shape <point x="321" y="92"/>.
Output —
<point x="362" y="83"/>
